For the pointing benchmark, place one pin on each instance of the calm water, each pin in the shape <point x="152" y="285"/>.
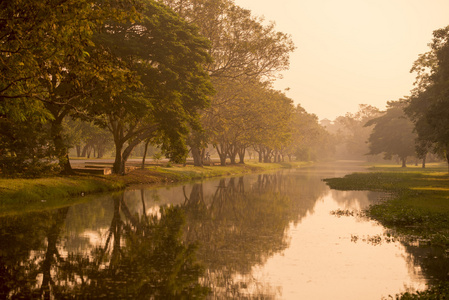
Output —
<point x="268" y="236"/>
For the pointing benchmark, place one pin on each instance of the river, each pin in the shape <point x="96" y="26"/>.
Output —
<point x="280" y="235"/>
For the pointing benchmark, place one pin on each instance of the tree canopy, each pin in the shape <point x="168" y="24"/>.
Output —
<point x="167" y="56"/>
<point x="429" y="103"/>
<point x="133" y="66"/>
<point x="392" y="133"/>
<point x="170" y="73"/>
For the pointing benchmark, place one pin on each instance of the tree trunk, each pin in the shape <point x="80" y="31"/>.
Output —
<point x="118" y="158"/>
<point x="100" y="151"/>
<point x="145" y="154"/>
<point x="222" y="159"/>
<point x="116" y="230"/>
<point x="424" y="161"/>
<point x="126" y="153"/>
<point x="61" y="150"/>
<point x="241" y="153"/>
<point x="267" y="157"/>
<point x="222" y="154"/>
<point x="84" y="152"/>
<point x="197" y="157"/>
<point x="78" y="150"/>
<point x="404" y="162"/>
<point x="232" y="157"/>
<point x="52" y="251"/>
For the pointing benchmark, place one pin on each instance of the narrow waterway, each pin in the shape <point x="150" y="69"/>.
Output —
<point x="282" y="235"/>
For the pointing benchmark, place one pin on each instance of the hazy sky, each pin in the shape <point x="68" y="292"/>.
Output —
<point x="351" y="51"/>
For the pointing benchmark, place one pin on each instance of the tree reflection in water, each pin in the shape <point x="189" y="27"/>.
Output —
<point x="146" y="249"/>
<point x="22" y="267"/>
<point x="240" y="226"/>
<point x="143" y="257"/>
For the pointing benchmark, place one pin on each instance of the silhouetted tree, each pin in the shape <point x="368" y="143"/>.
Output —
<point x="392" y="133"/>
<point x="429" y="103"/>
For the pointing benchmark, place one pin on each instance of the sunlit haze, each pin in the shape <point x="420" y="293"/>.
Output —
<point x="351" y="52"/>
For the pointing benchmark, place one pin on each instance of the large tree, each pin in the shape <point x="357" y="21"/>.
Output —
<point x="45" y="61"/>
<point x="392" y="133"/>
<point x="429" y="102"/>
<point x="166" y="55"/>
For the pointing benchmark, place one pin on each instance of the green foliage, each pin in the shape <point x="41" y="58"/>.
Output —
<point x="247" y="55"/>
<point x="134" y="67"/>
<point x="418" y="201"/>
<point x="392" y="133"/>
<point x="429" y="103"/>
<point x="165" y="57"/>
<point x="62" y="58"/>
<point x="46" y="65"/>
<point x="22" y="149"/>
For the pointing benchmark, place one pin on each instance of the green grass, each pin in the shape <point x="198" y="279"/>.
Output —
<point x="180" y="173"/>
<point x="419" y="202"/>
<point x="24" y="195"/>
<point x="28" y="190"/>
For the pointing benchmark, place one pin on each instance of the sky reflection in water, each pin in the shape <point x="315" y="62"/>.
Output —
<point x="259" y="236"/>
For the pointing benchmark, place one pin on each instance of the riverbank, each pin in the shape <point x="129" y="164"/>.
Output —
<point x="20" y="195"/>
<point x="418" y="208"/>
<point x="419" y="203"/>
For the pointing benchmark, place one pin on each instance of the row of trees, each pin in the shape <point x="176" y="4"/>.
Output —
<point x="415" y="126"/>
<point x="246" y="112"/>
<point x="177" y="74"/>
<point x="134" y="67"/>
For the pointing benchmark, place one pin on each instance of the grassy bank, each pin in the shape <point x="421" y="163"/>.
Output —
<point x="418" y="207"/>
<point x="20" y="195"/>
<point x="419" y="202"/>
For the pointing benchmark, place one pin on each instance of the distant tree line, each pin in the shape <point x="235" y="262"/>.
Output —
<point x="180" y="75"/>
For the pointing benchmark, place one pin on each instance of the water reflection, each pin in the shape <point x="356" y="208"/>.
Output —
<point x="260" y="236"/>
<point x="142" y="257"/>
